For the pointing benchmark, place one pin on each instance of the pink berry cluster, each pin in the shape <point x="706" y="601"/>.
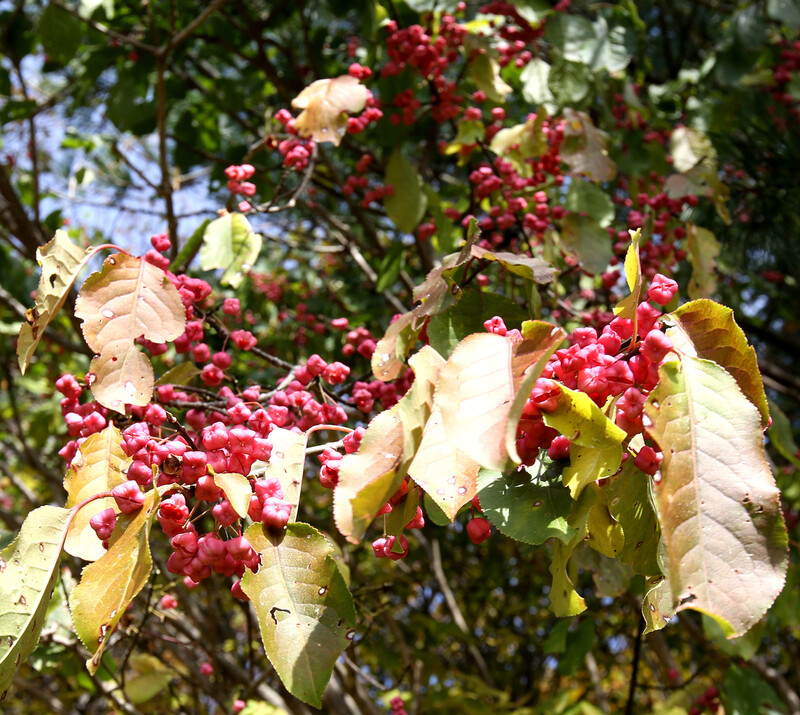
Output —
<point x="398" y="706"/>
<point x="783" y="73"/>
<point x="615" y="365"/>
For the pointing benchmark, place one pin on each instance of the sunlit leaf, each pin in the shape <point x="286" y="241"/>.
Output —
<point x="325" y="104"/>
<point x="286" y="463"/>
<point x="717" y="501"/>
<point x="657" y="608"/>
<point x="483" y="388"/>
<point x="28" y="574"/>
<point x="585" y="197"/>
<point x="229" y="242"/>
<point x="129" y="298"/>
<point x="705" y="329"/>
<point x="109" y="584"/>
<point x="237" y="490"/>
<point x="304" y="609"/>
<point x="535" y="78"/>
<point x="99" y="466"/>
<point x="486" y="73"/>
<point x="146" y="676"/>
<point x="703" y="249"/>
<point x="369" y="476"/>
<point x="596" y="442"/>
<point x="626" y="308"/>
<point x="447" y="475"/>
<point x="61" y="261"/>
<point x="532" y="269"/>
<point x="523" y="508"/>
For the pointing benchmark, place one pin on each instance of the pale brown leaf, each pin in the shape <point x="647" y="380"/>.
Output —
<point x="584" y="148"/>
<point x="325" y="104"/>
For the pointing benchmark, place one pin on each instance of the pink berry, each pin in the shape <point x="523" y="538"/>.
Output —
<point x="478" y="530"/>
<point x="128" y="496"/>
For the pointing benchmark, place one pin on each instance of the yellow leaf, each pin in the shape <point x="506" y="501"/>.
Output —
<point x="325" y="104"/>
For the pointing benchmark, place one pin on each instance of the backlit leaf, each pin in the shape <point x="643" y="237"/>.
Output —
<point x="626" y="308"/>
<point x="99" y="466"/>
<point x="447" y="475"/>
<point x="304" y="609"/>
<point x="237" y="490"/>
<point x="127" y="299"/>
<point x="406" y="206"/>
<point x="28" y="574"/>
<point x="61" y="261"/>
<point x="717" y="501"/>
<point x="585" y="197"/>
<point x="229" y="242"/>
<point x="523" y="508"/>
<point x="596" y="442"/>
<point x="109" y="584"/>
<point x="145" y="677"/>
<point x="371" y="475"/>
<point x="705" y="329"/>
<point x="286" y="463"/>
<point x="532" y="269"/>
<point x="588" y="241"/>
<point x="535" y="79"/>
<point x="483" y="387"/>
<point x="703" y="248"/>
<point x="486" y="73"/>
<point x="325" y="104"/>
<point x="584" y="148"/>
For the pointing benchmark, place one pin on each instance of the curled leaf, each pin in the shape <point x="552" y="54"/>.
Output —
<point x="325" y="104"/>
<point x="61" y="261"/>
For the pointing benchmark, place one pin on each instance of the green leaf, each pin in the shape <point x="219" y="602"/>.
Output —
<point x="703" y="249"/>
<point x="99" y="466"/>
<point x="744" y="692"/>
<point x="483" y="388"/>
<point x="486" y="73"/>
<point x="29" y="570"/>
<point x="181" y="374"/>
<point x="229" y="242"/>
<point x="433" y="511"/>
<point x="573" y="35"/>
<point x="578" y="643"/>
<point x="305" y="612"/>
<point x="190" y="248"/>
<point x="536" y="83"/>
<point x="524" y="508"/>
<point x="569" y="82"/>
<point x="406" y="206"/>
<point x="564" y="599"/>
<point x="630" y="503"/>
<point x="657" y="608"/>
<point x="584" y="148"/>
<point x="787" y="12"/>
<point x="109" y="584"/>
<point x="584" y="197"/>
<point x="61" y="34"/>
<point x="596" y="442"/>
<point x="717" y="501"/>
<point x="744" y="647"/>
<point x="390" y="266"/>
<point x="587" y="241"/>
<point x="705" y="329"/>
<point x="781" y="435"/>
<point x="613" y="48"/>
<point x="145" y="677"/>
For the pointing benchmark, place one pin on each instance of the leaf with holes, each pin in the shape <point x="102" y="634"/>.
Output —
<point x="447" y="475"/>
<point x="109" y="584"/>
<point x="229" y="242"/>
<point x="717" y="502"/>
<point x="305" y="612"/>
<point x="99" y="466"/>
<point x="28" y="574"/>
<point x="61" y="261"/>
<point x="524" y="508"/>
<point x="483" y="388"/>
<point x="596" y="442"/>
<point x="286" y="463"/>
<point x="127" y="299"/>
<point x="705" y="329"/>
<point x="325" y="104"/>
